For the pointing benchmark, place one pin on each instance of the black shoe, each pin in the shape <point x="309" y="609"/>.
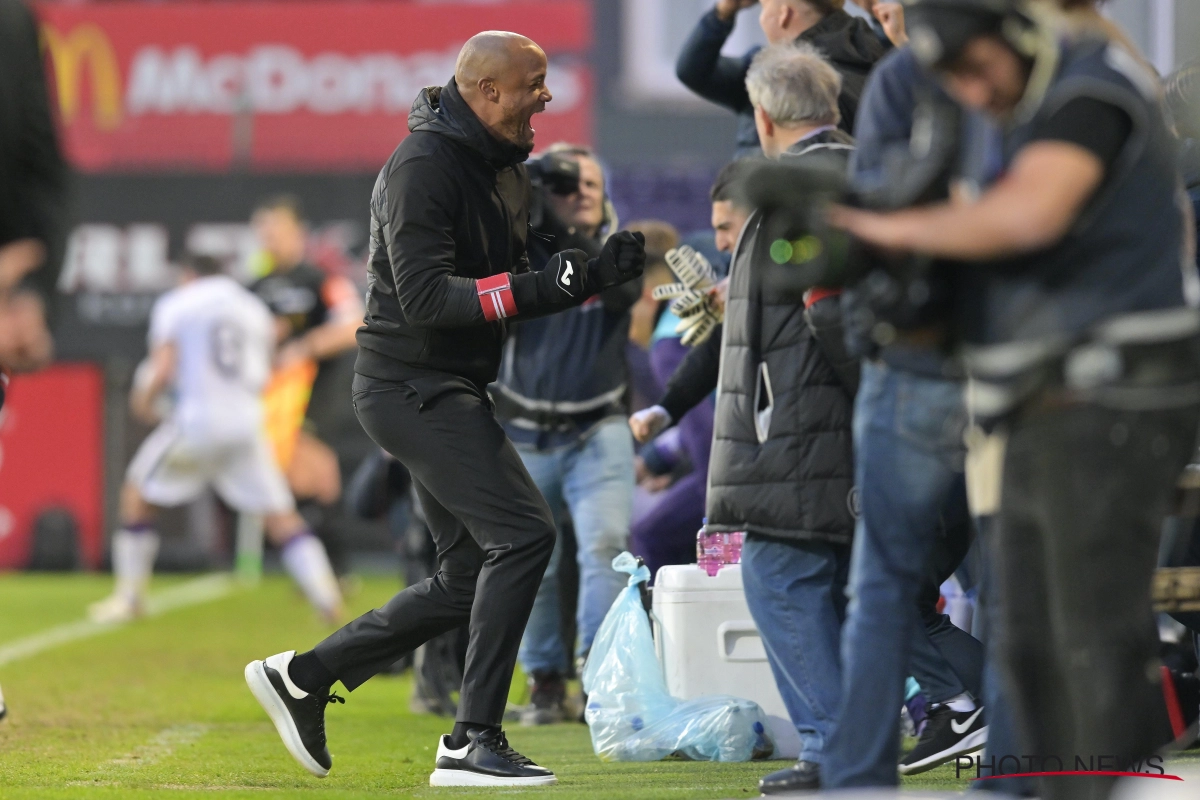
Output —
<point x="948" y="733"/>
<point x="3" y="708"/>
<point x="486" y="761"/>
<point x="803" y="776"/>
<point x="299" y="717"/>
<point x="547" y="700"/>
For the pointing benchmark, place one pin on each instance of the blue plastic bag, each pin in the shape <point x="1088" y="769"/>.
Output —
<point x="631" y="715"/>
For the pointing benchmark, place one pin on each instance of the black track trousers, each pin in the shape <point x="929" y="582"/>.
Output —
<point x="1084" y="494"/>
<point x="492" y="528"/>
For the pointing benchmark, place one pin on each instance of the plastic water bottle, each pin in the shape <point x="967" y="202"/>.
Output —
<point x="715" y="550"/>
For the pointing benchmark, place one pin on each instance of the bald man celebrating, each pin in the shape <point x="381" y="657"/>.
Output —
<point x="447" y="271"/>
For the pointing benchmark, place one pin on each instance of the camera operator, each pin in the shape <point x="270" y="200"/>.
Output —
<point x="1083" y="350"/>
<point x="913" y="529"/>
<point x="561" y="396"/>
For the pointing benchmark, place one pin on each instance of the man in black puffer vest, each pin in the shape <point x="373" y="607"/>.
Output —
<point x="782" y="464"/>
<point x="447" y="268"/>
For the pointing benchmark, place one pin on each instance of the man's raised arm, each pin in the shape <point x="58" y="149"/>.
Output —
<point x="420" y="245"/>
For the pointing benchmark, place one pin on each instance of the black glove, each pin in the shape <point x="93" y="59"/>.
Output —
<point x="570" y="278"/>
<point x="568" y="271"/>
<point x="562" y="284"/>
<point x="622" y="259"/>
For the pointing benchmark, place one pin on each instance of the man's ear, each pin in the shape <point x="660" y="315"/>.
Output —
<point x="489" y="90"/>
<point x="765" y="123"/>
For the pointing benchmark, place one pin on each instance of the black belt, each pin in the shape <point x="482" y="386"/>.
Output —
<point x="1130" y="376"/>
<point x="509" y="410"/>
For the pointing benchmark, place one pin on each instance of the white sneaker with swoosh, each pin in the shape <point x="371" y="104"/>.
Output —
<point x="965" y="725"/>
<point x="947" y="735"/>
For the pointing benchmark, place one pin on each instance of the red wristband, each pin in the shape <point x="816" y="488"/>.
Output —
<point x="496" y="297"/>
<point x="817" y="294"/>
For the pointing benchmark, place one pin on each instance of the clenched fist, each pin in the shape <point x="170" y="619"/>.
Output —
<point x="728" y="9"/>
<point x="571" y="273"/>
<point x="649" y="422"/>
<point x="621" y="260"/>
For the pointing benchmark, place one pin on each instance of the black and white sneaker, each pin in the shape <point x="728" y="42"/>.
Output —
<point x="487" y="761"/>
<point x="3" y="708"/>
<point x="298" y="716"/>
<point x="948" y="734"/>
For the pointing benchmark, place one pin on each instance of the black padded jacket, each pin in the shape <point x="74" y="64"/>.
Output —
<point x="450" y="207"/>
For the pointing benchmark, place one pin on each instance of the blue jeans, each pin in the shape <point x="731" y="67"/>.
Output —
<point x="909" y="458"/>
<point x="592" y="480"/>
<point x="796" y="594"/>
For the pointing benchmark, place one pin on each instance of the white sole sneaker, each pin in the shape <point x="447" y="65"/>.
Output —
<point x="264" y="693"/>
<point x="462" y="777"/>
<point x="967" y="746"/>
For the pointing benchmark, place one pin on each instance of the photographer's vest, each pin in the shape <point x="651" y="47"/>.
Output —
<point x="1122" y="275"/>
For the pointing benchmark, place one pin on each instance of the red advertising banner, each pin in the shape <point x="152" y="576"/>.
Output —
<point x="51" y="459"/>
<point x="282" y="85"/>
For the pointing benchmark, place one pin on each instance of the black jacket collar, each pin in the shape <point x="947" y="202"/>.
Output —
<point x="442" y="110"/>
<point x="833" y="138"/>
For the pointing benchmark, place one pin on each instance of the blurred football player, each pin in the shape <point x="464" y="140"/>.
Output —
<point x="316" y="316"/>
<point x="211" y="346"/>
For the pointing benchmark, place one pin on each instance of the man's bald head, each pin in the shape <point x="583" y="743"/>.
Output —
<point x="502" y="76"/>
<point x="490" y="54"/>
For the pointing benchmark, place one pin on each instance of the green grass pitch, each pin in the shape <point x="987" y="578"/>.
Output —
<point x="159" y="709"/>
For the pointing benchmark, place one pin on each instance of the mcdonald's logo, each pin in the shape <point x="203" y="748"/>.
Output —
<point x="85" y="44"/>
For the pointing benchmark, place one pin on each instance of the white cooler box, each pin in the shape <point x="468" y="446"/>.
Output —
<point x="709" y="645"/>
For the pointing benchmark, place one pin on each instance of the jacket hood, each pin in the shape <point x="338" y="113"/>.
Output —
<point x="846" y="41"/>
<point x="442" y="110"/>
